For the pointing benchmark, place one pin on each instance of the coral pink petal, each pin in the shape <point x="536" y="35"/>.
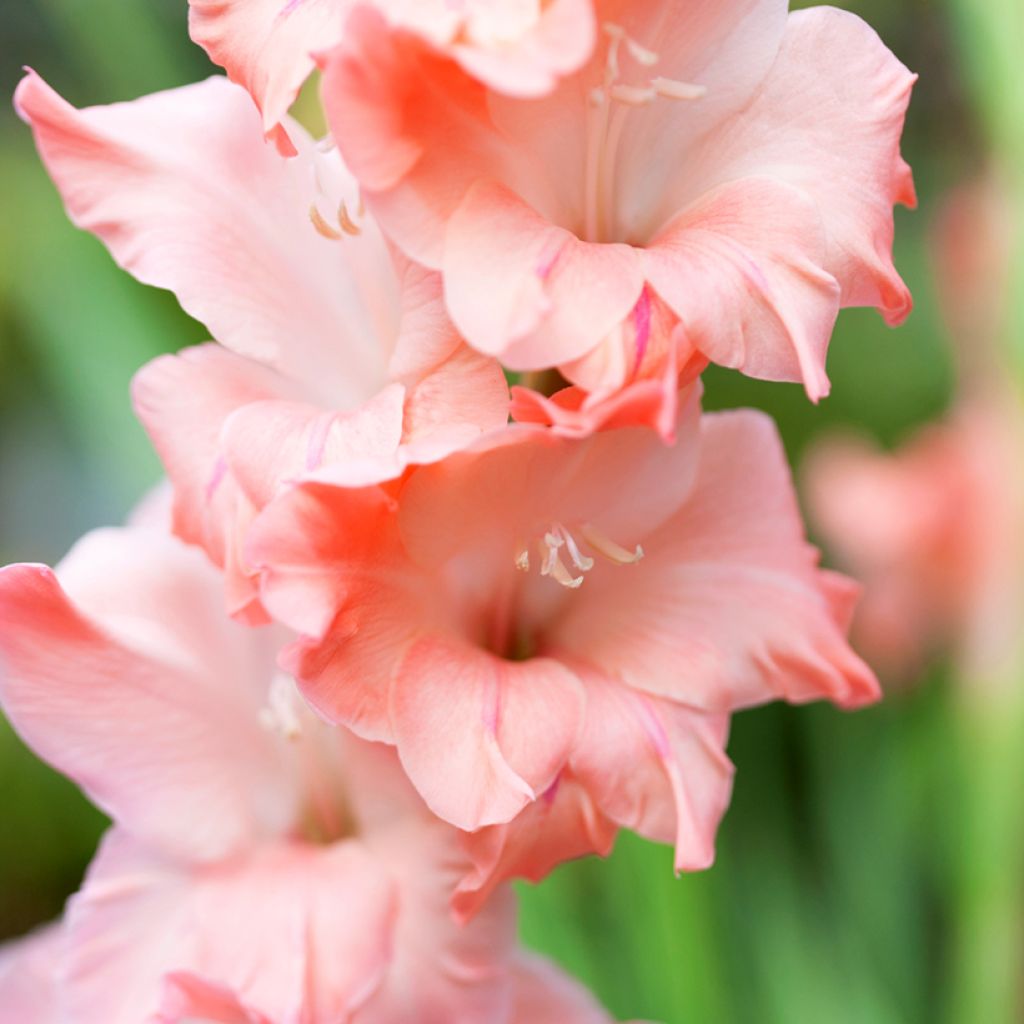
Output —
<point x="560" y="41"/>
<point x="139" y="638"/>
<point x="266" y="46"/>
<point x="183" y="401"/>
<point x="268" y="445"/>
<point x="479" y="736"/>
<point x="186" y="997"/>
<point x="29" y="972"/>
<point x="827" y="119"/>
<point x="561" y="825"/>
<point x="742" y="269"/>
<point x="529" y="292"/>
<point x="623" y="482"/>
<point x="728" y="607"/>
<point x="291" y="932"/>
<point x="229" y="231"/>
<point x="545" y="994"/>
<point x="655" y="767"/>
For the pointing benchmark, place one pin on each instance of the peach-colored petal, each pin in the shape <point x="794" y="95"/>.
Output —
<point x="275" y="929"/>
<point x="544" y="994"/>
<point x="742" y="269"/>
<point x="138" y="638"/>
<point x="527" y="291"/>
<point x="186" y="195"/>
<point x="29" y="977"/>
<point x="562" y="825"/>
<point x="266" y="46"/>
<point x="479" y="736"/>
<point x="186" y="997"/>
<point x="827" y="119"/>
<point x="655" y="767"/>
<point x="727" y="608"/>
<point x="183" y="401"/>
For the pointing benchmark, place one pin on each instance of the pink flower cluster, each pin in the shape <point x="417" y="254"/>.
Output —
<point x="395" y="635"/>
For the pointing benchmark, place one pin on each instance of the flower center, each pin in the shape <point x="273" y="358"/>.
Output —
<point x="558" y="543"/>
<point x="610" y="103"/>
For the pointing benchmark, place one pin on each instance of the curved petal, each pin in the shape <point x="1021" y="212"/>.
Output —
<point x="544" y="994"/>
<point x="183" y="401"/>
<point x="561" y="825"/>
<point x="827" y="119"/>
<point x="291" y="932"/>
<point x="728" y="607"/>
<point x="29" y="977"/>
<point x="481" y="737"/>
<point x="137" y="646"/>
<point x="266" y="46"/>
<point x="520" y="288"/>
<point x="229" y="230"/>
<point x="741" y="268"/>
<point x="655" y="767"/>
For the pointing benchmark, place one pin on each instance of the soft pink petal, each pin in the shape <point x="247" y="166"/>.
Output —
<point x="29" y="977"/>
<point x="827" y="119"/>
<point x="523" y="289"/>
<point x="266" y="46"/>
<point x="742" y="269"/>
<point x="479" y="736"/>
<point x="562" y="825"/>
<point x="186" y="997"/>
<point x="183" y="401"/>
<point x="547" y="995"/>
<point x="292" y="932"/>
<point x="137" y="645"/>
<point x="268" y="445"/>
<point x="506" y="493"/>
<point x="655" y="767"/>
<point x="230" y="230"/>
<point x="728" y="607"/>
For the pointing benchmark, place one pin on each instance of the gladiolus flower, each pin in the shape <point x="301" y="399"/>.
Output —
<point x="267" y="46"/>
<point x="263" y="866"/>
<point x="734" y="164"/>
<point x="332" y="350"/>
<point x="535" y="611"/>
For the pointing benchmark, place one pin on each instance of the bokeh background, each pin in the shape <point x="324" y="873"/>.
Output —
<point x="870" y="869"/>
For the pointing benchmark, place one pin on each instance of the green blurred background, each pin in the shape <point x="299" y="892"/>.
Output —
<point x="870" y="866"/>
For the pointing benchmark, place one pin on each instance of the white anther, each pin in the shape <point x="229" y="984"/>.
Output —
<point x="605" y="546"/>
<point x="523" y="560"/>
<point x="673" y="89"/>
<point x="549" y="553"/>
<point x="640" y="53"/>
<point x="562" y="575"/>
<point x="632" y="95"/>
<point x="582" y="562"/>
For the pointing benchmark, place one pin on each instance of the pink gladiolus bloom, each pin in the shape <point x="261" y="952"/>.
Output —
<point x="521" y="47"/>
<point x="332" y="349"/>
<point x="732" y="166"/>
<point x="263" y="867"/>
<point x="537" y="612"/>
<point x="934" y="530"/>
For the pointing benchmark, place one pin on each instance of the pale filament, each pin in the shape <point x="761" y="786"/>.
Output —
<point x="560" y="554"/>
<point x="342" y="222"/>
<point x="604" y="127"/>
<point x="280" y="714"/>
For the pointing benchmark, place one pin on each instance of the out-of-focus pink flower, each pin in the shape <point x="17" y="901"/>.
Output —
<point x="331" y="350"/>
<point x="934" y="530"/>
<point x="538" y="612"/>
<point x="519" y="47"/>
<point x="264" y="866"/>
<point x="722" y="166"/>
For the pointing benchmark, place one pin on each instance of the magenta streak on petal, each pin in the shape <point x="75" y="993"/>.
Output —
<point x="318" y="440"/>
<point x="289" y="7"/>
<point x="548" y="260"/>
<point x="220" y="468"/>
<point x="642" y="324"/>
<point x="653" y="727"/>
<point x="549" y="794"/>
